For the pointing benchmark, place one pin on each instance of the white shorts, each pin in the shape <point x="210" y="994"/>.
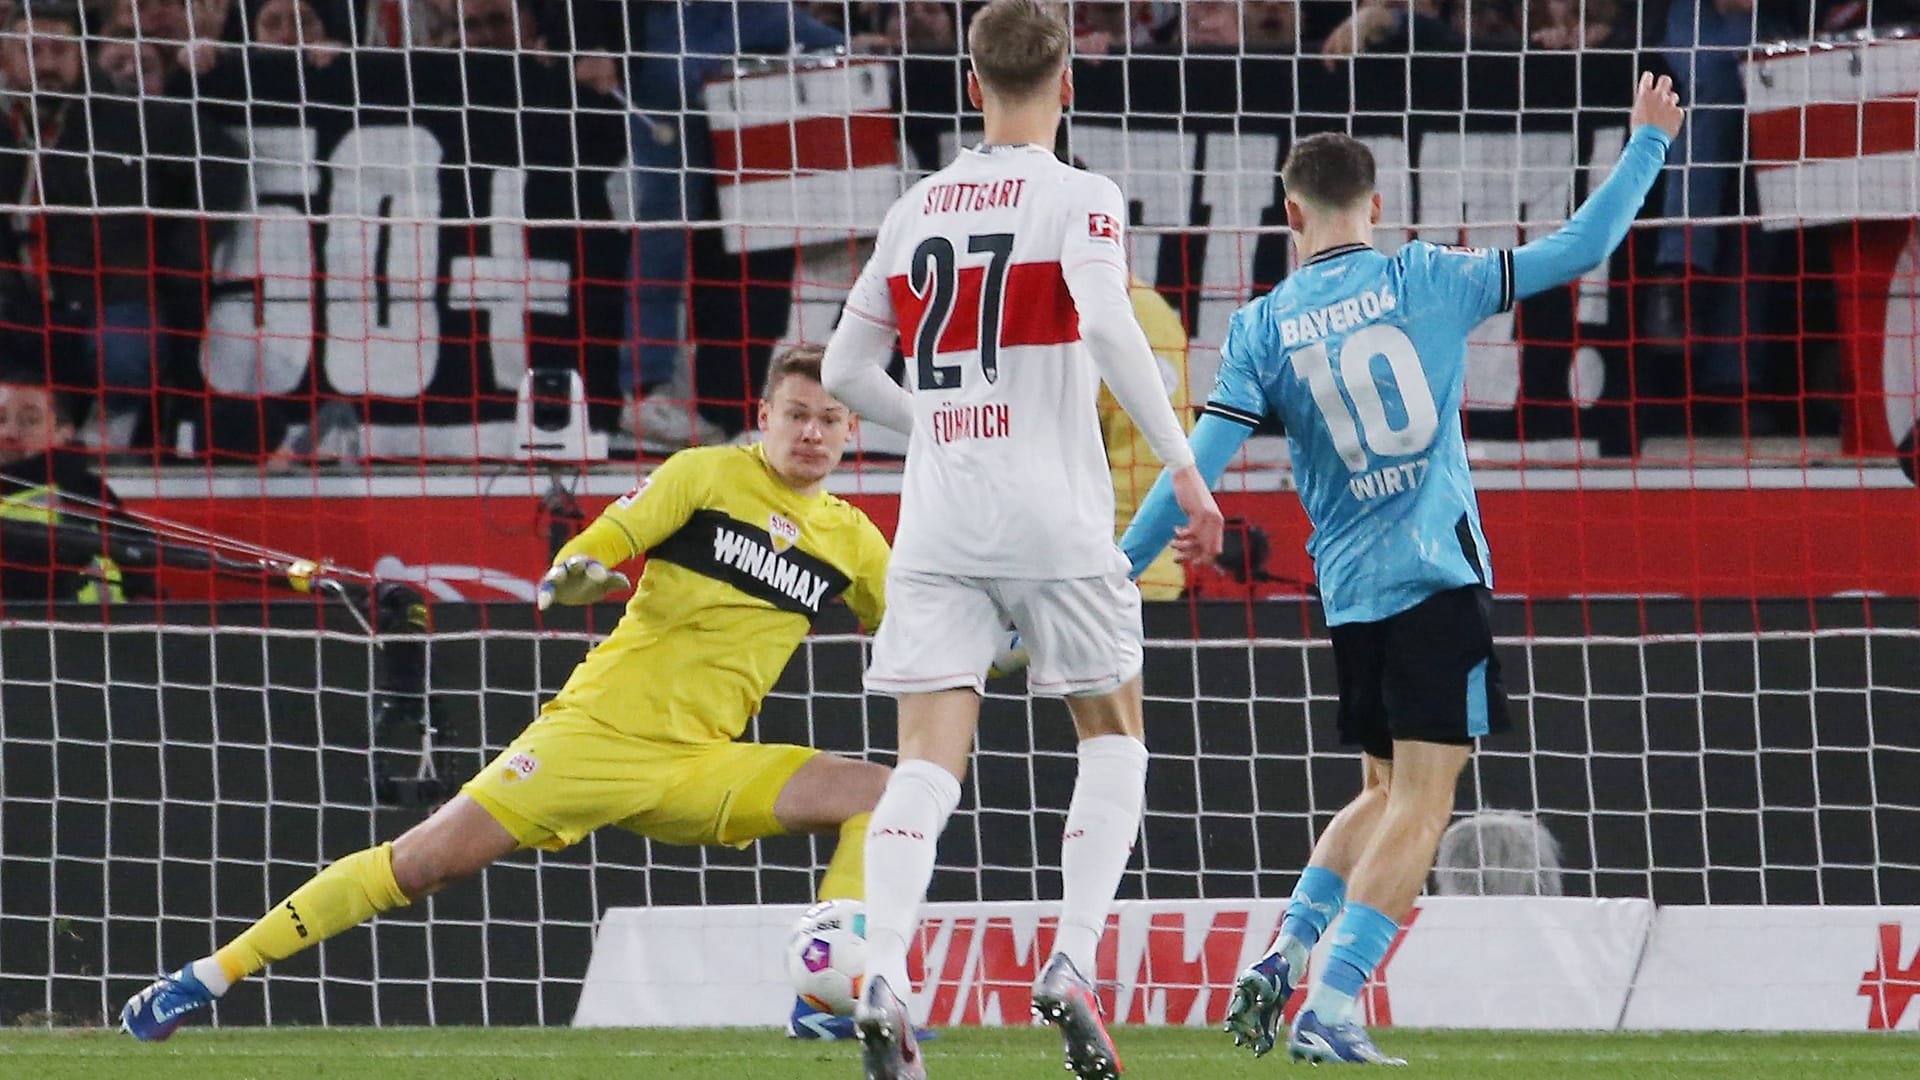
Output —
<point x="942" y="633"/>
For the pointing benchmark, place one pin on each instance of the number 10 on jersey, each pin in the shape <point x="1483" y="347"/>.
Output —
<point x="1363" y="383"/>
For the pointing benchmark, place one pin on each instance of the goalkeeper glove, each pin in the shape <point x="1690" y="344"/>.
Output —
<point x="581" y="579"/>
<point x="1011" y="659"/>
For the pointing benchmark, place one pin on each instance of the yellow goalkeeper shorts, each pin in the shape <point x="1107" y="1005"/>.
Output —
<point x="568" y="774"/>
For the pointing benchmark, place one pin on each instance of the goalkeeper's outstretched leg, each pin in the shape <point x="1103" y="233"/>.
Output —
<point x="804" y="791"/>
<point x="459" y="840"/>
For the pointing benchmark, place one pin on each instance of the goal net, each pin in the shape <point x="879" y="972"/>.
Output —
<point x="414" y="290"/>
<point x="163" y="786"/>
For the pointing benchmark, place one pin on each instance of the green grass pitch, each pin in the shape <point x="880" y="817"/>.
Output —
<point x="971" y="1054"/>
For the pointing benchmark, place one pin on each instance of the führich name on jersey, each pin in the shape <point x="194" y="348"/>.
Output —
<point x="1336" y="318"/>
<point x="952" y="423"/>
<point x="755" y="559"/>
<point x="954" y="198"/>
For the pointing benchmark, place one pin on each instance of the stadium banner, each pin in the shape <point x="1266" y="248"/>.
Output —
<point x="1833" y="133"/>
<point x="1834" y="126"/>
<point x="1780" y="967"/>
<point x="389" y="188"/>
<point x="413" y="245"/>
<point x="1475" y="962"/>
<point x="425" y="226"/>
<point x="809" y="145"/>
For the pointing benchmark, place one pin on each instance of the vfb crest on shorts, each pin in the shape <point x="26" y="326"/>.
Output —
<point x="783" y="533"/>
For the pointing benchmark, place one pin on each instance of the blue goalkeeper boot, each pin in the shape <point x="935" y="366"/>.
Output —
<point x="807" y="1022"/>
<point x="1259" y="1000"/>
<point x="152" y="1014"/>
<point x="1334" y="1044"/>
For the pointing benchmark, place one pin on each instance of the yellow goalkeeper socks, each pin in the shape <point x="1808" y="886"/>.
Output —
<point x="341" y="897"/>
<point x="846" y="876"/>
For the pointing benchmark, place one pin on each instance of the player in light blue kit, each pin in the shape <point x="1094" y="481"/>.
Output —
<point x="1363" y="356"/>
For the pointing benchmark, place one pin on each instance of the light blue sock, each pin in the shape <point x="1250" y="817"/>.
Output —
<point x="1364" y="938"/>
<point x="1316" y="900"/>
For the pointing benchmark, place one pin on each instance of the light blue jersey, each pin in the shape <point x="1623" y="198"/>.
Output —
<point x="1363" y="356"/>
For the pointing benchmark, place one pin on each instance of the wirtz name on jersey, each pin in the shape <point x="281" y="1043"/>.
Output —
<point x="1336" y="318"/>
<point x="1391" y="480"/>
<point x="755" y="559"/>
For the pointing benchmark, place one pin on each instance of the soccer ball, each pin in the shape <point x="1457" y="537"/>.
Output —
<point x="827" y="955"/>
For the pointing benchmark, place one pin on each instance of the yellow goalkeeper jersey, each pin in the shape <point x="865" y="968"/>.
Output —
<point x="738" y="565"/>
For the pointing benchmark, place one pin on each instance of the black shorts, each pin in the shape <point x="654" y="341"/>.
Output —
<point x="1428" y="674"/>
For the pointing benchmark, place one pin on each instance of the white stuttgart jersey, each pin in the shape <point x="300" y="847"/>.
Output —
<point x="1006" y="473"/>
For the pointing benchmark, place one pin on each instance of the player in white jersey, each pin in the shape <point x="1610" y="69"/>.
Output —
<point x="1004" y="277"/>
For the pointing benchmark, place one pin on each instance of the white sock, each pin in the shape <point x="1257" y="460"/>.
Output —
<point x="1102" y="824"/>
<point x="902" y="836"/>
<point x="211" y="975"/>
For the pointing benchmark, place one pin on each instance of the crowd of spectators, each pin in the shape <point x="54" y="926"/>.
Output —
<point x="122" y="291"/>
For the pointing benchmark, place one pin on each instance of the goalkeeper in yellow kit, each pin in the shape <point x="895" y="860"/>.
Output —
<point x="744" y="548"/>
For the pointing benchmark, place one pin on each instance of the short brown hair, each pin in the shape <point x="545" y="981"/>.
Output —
<point x="1018" y="45"/>
<point x="801" y="360"/>
<point x="1331" y="170"/>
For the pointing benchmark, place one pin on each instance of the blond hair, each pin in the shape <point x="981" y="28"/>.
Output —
<point x="1017" y="46"/>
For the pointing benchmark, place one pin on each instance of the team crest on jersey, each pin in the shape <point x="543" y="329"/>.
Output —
<point x="782" y="532"/>
<point x="519" y="767"/>
<point x="1103" y="227"/>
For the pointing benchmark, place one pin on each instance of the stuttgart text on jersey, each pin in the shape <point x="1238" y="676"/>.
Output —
<point x="971" y="197"/>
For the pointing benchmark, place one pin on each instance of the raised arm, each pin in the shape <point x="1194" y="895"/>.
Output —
<point x="1597" y="228"/>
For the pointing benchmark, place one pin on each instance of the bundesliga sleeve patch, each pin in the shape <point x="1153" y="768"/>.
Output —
<point x="1103" y="227"/>
<point x="628" y="499"/>
<point x="1462" y="249"/>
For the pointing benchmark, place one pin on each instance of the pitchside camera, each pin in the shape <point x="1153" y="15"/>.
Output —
<point x="550" y="421"/>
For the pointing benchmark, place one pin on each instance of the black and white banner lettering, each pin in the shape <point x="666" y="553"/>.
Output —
<point x="389" y="259"/>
